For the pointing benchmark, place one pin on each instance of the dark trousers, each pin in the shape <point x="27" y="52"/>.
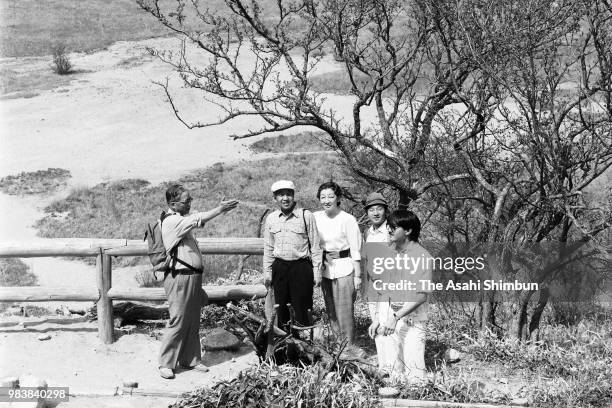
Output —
<point x="293" y="283"/>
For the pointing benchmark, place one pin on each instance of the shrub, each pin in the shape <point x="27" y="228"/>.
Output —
<point x="146" y="279"/>
<point x="288" y="386"/>
<point x="61" y="62"/>
<point x="35" y="182"/>
<point x="303" y="142"/>
<point x="13" y="272"/>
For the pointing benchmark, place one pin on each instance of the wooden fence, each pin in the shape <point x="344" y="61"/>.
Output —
<point x="104" y="294"/>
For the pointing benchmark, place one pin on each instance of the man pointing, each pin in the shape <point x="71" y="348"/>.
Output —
<point x="183" y="283"/>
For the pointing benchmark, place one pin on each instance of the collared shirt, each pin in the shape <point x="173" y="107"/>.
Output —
<point x="380" y="234"/>
<point x="286" y="237"/>
<point x="177" y="230"/>
<point x="338" y="234"/>
<point x="378" y="309"/>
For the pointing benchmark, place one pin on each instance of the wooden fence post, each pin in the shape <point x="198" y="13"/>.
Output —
<point x="105" y="304"/>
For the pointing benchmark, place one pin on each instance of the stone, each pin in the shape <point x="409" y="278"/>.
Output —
<point x="44" y="336"/>
<point x="9" y="382"/>
<point x="523" y="402"/>
<point x="63" y="311"/>
<point x="477" y="386"/>
<point x="388" y="392"/>
<point x="452" y="356"/>
<point x="220" y="339"/>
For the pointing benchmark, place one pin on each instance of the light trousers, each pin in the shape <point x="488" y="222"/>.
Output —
<point x="339" y="295"/>
<point x="403" y="352"/>
<point x="181" y="341"/>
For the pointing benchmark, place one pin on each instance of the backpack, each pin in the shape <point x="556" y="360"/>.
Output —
<point x="161" y="260"/>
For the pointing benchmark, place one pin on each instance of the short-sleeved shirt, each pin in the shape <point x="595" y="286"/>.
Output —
<point x="415" y="250"/>
<point x="177" y="231"/>
<point x="424" y="272"/>
<point x="286" y="237"/>
<point x="338" y="234"/>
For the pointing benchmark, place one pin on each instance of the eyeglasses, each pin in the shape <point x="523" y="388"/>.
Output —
<point x="392" y="228"/>
<point x="189" y="200"/>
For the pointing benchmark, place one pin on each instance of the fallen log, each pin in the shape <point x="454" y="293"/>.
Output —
<point x="132" y="312"/>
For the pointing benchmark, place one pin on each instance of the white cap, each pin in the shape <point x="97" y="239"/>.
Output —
<point x="282" y="185"/>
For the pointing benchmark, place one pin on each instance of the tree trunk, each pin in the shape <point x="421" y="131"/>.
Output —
<point x="519" y="320"/>
<point x="405" y="198"/>
<point x="536" y="316"/>
<point x="486" y="312"/>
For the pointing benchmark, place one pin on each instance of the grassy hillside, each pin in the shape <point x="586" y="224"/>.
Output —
<point x="29" y="27"/>
<point x="121" y="209"/>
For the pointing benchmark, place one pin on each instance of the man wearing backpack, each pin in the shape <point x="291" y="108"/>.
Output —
<point x="292" y="255"/>
<point x="183" y="281"/>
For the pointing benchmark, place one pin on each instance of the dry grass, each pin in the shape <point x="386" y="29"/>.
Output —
<point x="13" y="272"/>
<point x="35" y="182"/>
<point x="122" y="209"/>
<point x="30" y="28"/>
<point x="288" y="386"/>
<point x="304" y="142"/>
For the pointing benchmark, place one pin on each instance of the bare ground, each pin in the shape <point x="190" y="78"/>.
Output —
<point x="75" y="358"/>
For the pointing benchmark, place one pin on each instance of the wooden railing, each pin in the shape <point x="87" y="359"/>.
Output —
<point x="104" y="294"/>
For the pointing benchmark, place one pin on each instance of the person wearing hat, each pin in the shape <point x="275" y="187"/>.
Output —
<point x="377" y="210"/>
<point x="292" y="255"/>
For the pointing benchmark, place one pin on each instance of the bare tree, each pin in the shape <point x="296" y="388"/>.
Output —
<point x="496" y="115"/>
<point x="548" y="136"/>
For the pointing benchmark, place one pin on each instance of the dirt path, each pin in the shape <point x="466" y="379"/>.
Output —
<point x="75" y="358"/>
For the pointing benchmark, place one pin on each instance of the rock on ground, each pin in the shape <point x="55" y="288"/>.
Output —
<point x="220" y="339"/>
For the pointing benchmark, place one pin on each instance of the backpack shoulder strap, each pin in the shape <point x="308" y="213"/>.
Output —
<point x="174" y="250"/>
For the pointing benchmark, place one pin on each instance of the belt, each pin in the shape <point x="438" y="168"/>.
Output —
<point x="331" y="255"/>
<point x="175" y="272"/>
<point x="307" y="258"/>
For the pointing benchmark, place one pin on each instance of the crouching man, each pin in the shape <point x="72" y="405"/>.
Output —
<point x="183" y="283"/>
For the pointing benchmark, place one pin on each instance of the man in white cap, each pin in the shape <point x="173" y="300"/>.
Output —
<point x="292" y="255"/>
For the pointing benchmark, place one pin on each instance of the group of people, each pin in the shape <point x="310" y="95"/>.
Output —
<point x="303" y="250"/>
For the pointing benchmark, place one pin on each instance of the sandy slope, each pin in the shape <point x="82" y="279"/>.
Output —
<point x="112" y="122"/>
